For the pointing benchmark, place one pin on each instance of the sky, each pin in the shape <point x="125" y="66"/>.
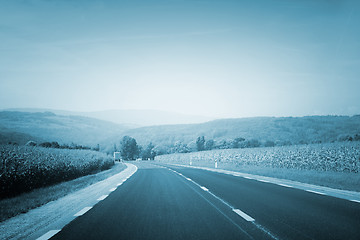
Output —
<point x="212" y="58"/>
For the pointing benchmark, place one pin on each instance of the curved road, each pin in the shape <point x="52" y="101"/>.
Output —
<point x="167" y="202"/>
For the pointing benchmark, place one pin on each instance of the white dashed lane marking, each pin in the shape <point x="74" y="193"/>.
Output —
<point x="82" y="211"/>
<point x="48" y="235"/>
<point x="51" y="233"/>
<point x="243" y="215"/>
<point x="102" y="197"/>
<point x="237" y="211"/>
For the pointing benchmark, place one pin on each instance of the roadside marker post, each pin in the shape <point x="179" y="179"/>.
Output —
<point x="215" y="163"/>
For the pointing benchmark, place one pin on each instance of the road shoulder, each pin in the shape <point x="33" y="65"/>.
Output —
<point x="56" y="214"/>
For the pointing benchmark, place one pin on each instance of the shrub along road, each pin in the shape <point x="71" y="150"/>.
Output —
<point x="161" y="202"/>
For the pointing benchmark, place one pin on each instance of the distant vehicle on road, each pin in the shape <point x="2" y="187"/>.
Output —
<point x="117" y="156"/>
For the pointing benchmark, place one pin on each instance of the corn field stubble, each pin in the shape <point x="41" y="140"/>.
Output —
<point x="23" y="168"/>
<point x="335" y="165"/>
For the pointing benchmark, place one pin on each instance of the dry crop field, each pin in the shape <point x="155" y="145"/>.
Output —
<point x="334" y="157"/>
<point x="334" y="165"/>
<point x="25" y="168"/>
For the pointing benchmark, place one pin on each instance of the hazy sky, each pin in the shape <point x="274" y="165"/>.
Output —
<point x="214" y="58"/>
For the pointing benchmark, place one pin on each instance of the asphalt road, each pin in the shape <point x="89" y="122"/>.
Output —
<point x="183" y="203"/>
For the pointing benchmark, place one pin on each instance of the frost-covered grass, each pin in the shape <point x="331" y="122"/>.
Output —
<point x="23" y="169"/>
<point x="334" y="165"/>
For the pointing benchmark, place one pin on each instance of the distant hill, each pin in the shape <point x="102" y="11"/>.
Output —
<point x="284" y="130"/>
<point x="21" y="127"/>
<point x="130" y="118"/>
<point x="8" y="136"/>
<point x="46" y="126"/>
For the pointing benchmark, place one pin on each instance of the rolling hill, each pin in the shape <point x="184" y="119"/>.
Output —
<point x="282" y="131"/>
<point x="8" y="136"/>
<point x="21" y="127"/>
<point x="130" y="118"/>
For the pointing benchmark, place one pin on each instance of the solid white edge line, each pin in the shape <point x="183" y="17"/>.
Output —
<point x="204" y="188"/>
<point x="102" y="197"/>
<point x="264" y="181"/>
<point x="48" y="235"/>
<point x="298" y="185"/>
<point x="311" y="191"/>
<point x="113" y="189"/>
<point x="82" y="211"/>
<point x="243" y="215"/>
<point x="189" y="179"/>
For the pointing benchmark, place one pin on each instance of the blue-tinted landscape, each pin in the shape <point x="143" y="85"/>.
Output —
<point x="179" y="119"/>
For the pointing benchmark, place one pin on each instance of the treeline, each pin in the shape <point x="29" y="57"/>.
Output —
<point x="61" y="146"/>
<point x="130" y="150"/>
<point x="349" y="138"/>
<point x="202" y="144"/>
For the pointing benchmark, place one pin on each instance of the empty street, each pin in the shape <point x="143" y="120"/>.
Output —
<point x="167" y="202"/>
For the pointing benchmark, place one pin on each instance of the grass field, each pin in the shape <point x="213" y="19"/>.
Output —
<point x="334" y="165"/>
<point x="23" y="169"/>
